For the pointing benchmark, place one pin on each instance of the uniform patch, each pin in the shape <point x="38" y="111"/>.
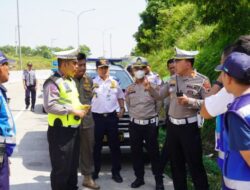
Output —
<point x="113" y="84"/>
<point x="95" y="85"/>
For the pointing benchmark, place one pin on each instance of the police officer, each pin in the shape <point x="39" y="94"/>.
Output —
<point x="61" y="102"/>
<point x="7" y="127"/>
<point x="143" y="110"/>
<point x="30" y="85"/>
<point x="84" y="85"/>
<point x="171" y="70"/>
<point x="186" y="90"/>
<point x="107" y="98"/>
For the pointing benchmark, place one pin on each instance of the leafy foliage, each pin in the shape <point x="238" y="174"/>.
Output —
<point x="205" y="25"/>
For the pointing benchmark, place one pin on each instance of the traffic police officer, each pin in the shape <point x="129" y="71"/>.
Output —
<point x="61" y="102"/>
<point x="107" y="98"/>
<point x="7" y="127"/>
<point x="186" y="90"/>
<point x="84" y="85"/>
<point x="143" y="111"/>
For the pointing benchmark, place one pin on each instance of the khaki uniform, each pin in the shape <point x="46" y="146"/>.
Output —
<point x="183" y="134"/>
<point x="143" y="111"/>
<point x="84" y="86"/>
<point x="140" y="104"/>
<point x="194" y="87"/>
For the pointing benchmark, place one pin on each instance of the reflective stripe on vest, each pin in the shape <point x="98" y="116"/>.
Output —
<point x="236" y="184"/>
<point x="8" y="140"/>
<point x="68" y="96"/>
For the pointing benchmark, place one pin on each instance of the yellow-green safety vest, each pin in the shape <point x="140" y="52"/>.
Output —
<point x="68" y="96"/>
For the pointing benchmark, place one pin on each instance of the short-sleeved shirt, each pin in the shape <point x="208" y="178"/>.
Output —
<point x="220" y="101"/>
<point x="84" y="86"/>
<point x="105" y="95"/>
<point x="154" y="78"/>
<point x="140" y="104"/>
<point x="29" y="77"/>
<point x="195" y="87"/>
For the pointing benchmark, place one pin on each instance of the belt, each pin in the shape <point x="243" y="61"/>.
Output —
<point x="105" y="114"/>
<point x="144" y="122"/>
<point x="184" y="121"/>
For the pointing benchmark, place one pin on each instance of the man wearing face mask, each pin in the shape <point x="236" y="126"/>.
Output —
<point x="143" y="112"/>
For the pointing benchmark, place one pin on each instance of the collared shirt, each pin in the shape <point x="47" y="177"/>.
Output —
<point x="194" y="87"/>
<point x="51" y="96"/>
<point x="140" y="104"/>
<point x="29" y="77"/>
<point x="105" y="95"/>
<point x="84" y="86"/>
<point x="154" y="78"/>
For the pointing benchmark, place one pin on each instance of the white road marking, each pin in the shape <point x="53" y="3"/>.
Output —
<point x="19" y="114"/>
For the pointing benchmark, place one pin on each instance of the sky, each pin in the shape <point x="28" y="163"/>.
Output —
<point x="107" y="31"/>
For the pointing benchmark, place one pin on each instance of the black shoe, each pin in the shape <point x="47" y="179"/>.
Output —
<point x="137" y="183"/>
<point x="117" y="178"/>
<point x="27" y="106"/>
<point x="159" y="186"/>
<point x="159" y="183"/>
<point x="95" y="176"/>
<point x="32" y="109"/>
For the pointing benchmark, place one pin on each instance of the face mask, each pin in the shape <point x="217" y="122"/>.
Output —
<point x="139" y="74"/>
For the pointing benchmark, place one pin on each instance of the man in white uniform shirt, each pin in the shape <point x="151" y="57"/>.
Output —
<point x="107" y="98"/>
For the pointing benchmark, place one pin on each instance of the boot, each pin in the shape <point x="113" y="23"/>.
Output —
<point x="89" y="182"/>
<point x="159" y="183"/>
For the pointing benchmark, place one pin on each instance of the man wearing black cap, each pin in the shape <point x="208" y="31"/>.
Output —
<point x="186" y="90"/>
<point x="7" y="127"/>
<point x="30" y="85"/>
<point x="107" y="98"/>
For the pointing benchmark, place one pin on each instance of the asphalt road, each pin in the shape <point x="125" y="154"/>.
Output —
<point x="30" y="164"/>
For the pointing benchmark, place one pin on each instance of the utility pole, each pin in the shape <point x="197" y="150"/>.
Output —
<point x="19" y="38"/>
<point x="78" y="22"/>
<point x="110" y="44"/>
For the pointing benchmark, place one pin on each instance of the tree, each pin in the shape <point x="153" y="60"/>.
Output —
<point x="85" y="49"/>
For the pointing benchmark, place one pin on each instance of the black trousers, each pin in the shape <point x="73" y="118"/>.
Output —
<point x="30" y="90"/>
<point x="164" y="151"/>
<point x="149" y="133"/>
<point x="184" y="147"/>
<point x="107" y="125"/>
<point x="64" y="147"/>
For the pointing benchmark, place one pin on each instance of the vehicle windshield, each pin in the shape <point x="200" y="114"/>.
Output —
<point x="120" y="75"/>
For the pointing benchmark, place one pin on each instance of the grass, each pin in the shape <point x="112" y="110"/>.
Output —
<point x="37" y="61"/>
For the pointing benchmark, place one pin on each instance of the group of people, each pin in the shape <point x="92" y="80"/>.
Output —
<point x="82" y="110"/>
